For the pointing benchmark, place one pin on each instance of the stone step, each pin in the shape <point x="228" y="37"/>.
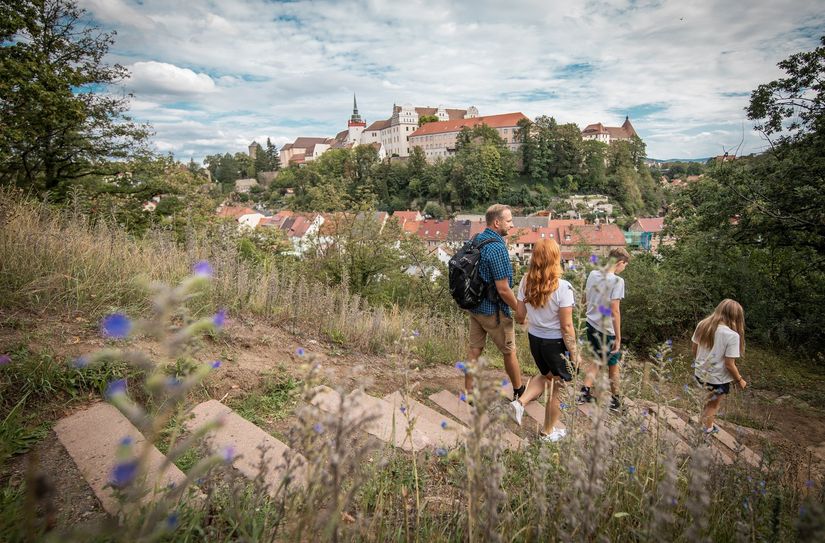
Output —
<point x="452" y="404"/>
<point x="429" y="421"/>
<point x="388" y="424"/>
<point x="681" y="428"/>
<point x="731" y="443"/>
<point x="92" y="437"/>
<point x="246" y="441"/>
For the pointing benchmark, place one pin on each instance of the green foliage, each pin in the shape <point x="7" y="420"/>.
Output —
<point x="275" y="400"/>
<point x="57" y="124"/>
<point x="424" y="119"/>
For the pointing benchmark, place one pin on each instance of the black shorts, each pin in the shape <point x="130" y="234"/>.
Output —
<point x="723" y="388"/>
<point x="549" y="356"/>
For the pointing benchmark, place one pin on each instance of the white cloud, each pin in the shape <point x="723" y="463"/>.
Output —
<point x="161" y="78"/>
<point x="246" y="68"/>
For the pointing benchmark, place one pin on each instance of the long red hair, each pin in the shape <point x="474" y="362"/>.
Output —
<point x="543" y="274"/>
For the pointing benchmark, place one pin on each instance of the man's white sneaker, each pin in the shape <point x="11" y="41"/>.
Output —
<point x="553" y="436"/>
<point x="518" y="411"/>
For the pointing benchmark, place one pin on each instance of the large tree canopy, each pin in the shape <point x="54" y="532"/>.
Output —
<point x="58" y="121"/>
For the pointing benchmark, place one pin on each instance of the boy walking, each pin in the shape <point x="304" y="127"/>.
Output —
<point x="603" y="294"/>
<point x="493" y="316"/>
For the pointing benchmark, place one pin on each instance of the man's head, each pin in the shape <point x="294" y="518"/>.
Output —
<point x="499" y="219"/>
<point x="619" y="257"/>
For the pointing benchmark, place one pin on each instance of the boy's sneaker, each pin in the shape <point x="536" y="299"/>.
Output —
<point x="553" y="436"/>
<point x="585" y="396"/>
<point x="615" y="404"/>
<point x="517" y="392"/>
<point x="712" y="430"/>
<point x="518" y="411"/>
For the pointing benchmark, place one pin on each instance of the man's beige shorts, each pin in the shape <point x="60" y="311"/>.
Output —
<point x="502" y="333"/>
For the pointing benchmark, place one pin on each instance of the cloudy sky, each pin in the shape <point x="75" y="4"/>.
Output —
<point x="213" y="76"/>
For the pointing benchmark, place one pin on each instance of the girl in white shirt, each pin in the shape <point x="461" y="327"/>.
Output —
<point x="546" y="301"/>
<point x="718" y="341"/>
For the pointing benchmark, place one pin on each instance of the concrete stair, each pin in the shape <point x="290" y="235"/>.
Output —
<point x="252" y="446"/>
<point x="92" y="437"/>
<point x="452" y="404"/>
<point x="442" y="430"/>
<point x="733" y="445"/>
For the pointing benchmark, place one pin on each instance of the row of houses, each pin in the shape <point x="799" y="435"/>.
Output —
<point x="576" y="237"/>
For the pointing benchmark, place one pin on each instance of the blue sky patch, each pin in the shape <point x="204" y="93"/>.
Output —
<point x="571" y="71"/>
<point x="639" y="111"/>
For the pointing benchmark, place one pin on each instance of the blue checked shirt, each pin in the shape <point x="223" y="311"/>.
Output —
<point x="494" y="265"/>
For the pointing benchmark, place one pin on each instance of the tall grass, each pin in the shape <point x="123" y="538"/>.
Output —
<point x="53" y="260"/>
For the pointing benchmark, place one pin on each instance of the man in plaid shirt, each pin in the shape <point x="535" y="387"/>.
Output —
<point x="493" y="316"/>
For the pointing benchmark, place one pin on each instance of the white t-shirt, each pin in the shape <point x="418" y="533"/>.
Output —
<point x="710" y="363"/>
<point x="544" y="321"/>
<point x="601" y="288"/>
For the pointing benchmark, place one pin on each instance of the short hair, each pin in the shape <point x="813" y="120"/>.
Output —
<point x="494" y="212"/>
<point x="619" y="254"/>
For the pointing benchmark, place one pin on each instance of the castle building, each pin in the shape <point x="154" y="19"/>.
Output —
<point x="608" y="134"/>
<point x="438" y="139"/>
<point x="394" y="133"/>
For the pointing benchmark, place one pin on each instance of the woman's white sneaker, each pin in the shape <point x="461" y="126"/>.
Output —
<point x="518" y="411"/>
<point x="553" y="436"/>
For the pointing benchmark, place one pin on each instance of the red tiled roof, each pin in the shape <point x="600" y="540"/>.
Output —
<point x="616" y="132"/>
<point x="477" y="227"/>
<point x="652" y="224"/>
<point x="562" y="223"/>
<point x="411" y="227"/>
<point x="597" y="128"/>
<point x="452" y="114"/>
<point x="531" y="237"/>
<point x="229" y="212"/>
<point x="378" y="125"/>
<point x="406" y="215"/>
<point x="493" y="121"/>
<point x="590" y="234"/>
<point x="433" y="230"/>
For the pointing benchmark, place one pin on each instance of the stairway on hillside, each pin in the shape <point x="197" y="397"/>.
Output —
<point x="91" y="437"/>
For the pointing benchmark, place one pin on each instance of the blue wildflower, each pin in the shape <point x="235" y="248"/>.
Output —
<point x="658" y="356"/>
<point x="300" y="351"/>
<point x="202" y="269"/>
<point x="403" y="409"/>
<point x="462" y="397"/>
<point x="669" y="342"/>
<point x="443" y="424"/>
<point x="123" y="473"/>
<point x="505" y="382"/>
<point x="673" y="501"/>
<point x="220" y="318"/>
<point x="809" y="483"/>
<point x="215" y="365"/>
<point x="318" y="428"/>
<point x="605" y="311"/>
<point x="116" y="325"/>
<point x="594" y="259"/>
<point x="115" y="387"/>
<point x="572" y="267"/>
<point x="126" y="441"/>
<point x="441" y="451"/>
<point x="172" y="521"/>
<point x="80" y="362"/>
<point x="562" y="406"/>
<point x="686" y="388"/>
<point x="415" y="333"/>
<point x="670" y="359"/>
<point x="4" y="359"/>
<point x="461" y="366"/>
<point x="631" y="469"/>
<point x="173" y="382"/>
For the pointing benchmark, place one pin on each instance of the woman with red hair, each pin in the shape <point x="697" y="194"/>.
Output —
<point x="546" y="302"/>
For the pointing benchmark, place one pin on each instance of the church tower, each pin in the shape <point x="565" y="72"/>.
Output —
<point x="356" y="124"/>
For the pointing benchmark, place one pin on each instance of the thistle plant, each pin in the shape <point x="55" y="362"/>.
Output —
<point x="175" y="329"/>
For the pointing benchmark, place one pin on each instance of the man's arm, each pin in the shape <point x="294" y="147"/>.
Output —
<point x="616" y="314"/>
<point x="506" y="293"/>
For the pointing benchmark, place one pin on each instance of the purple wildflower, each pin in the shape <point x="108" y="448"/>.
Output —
<point x="215" y="365"/>
<point x="658" y="356"/>
<point x="809" y="483"/>
<point x="172" y="521"/>
<point x="462" y="397"/>
<point x="300" y="351"/>
<point x="123" y="473"/>
<point x="572" y="267"/>
<point x="4" y="359"/>
<point x="505" y="382"/>
<point x="126" y="441"/>
<point x="669" y="342"/>
<point x="202" y="269"/>
<point x="461" y="366"/>
<point x="631" y="469"/>
<point x="228" y="453"/>
<point x="441" y="451"/>
<point x="220" y="318"/>
<point x="562" y="406"/>
<point x="605" y="311"/>
<point x="594" y="259"/>
<point x="115" y="388"/>
<point x="415" y="333"/>
<point x="116" y="325"/>
<point x="318" y="428"/>
<point x="403" y="409"/>
<point x="443" y="424"/>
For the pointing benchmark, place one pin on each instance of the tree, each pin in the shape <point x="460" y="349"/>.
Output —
<point x="57" y="124"/>
<point x="424" y="119"/>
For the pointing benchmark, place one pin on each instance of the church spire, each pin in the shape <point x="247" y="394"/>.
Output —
<point x="356" y="118"/>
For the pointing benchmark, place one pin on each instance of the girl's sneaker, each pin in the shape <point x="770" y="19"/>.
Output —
<point x="553" y="436"/>
<point x="712" y="430"/>
<point x="518" y="411"/>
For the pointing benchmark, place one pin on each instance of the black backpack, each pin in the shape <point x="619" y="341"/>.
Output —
<point x="466" y="285"/>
